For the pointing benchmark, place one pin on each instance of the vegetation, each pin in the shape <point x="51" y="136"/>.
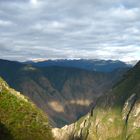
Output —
<point x="19" y="118"/>
<point x="116" y="115"/>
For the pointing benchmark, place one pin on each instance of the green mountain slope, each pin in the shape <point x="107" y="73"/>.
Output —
<point x="19" y="118"/>
<point x="115" y="116"/>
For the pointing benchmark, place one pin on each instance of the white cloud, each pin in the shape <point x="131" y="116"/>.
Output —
<point x="51" y="26"/>
<point x="5" y="23"/>
<point x="124" y="13"/>
<point x="34" y="2"/>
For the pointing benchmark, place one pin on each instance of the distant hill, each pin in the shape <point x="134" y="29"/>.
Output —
<point x="19" y="118"/>
<point x="115" y="115"/>
<point x="92" y="65"/>
<point x="59" y="90"/>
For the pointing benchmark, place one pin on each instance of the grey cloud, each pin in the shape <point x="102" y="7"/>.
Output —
<point x="65" y="29"/>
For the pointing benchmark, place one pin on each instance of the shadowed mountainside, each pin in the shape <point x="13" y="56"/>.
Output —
<point x="64" y="93"/>
<point x="5" y="134"/>
<point x="86" y="64"/>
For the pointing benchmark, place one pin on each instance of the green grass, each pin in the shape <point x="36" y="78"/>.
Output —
<point x="22" y="119"/>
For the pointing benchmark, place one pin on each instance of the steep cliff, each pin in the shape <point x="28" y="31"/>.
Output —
<point x="115" y="116"/>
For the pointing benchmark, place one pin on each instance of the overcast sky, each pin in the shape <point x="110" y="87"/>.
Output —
<point x="97" y="29"/>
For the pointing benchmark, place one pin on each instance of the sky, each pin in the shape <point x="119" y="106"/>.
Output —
<point x="70" y="29"/>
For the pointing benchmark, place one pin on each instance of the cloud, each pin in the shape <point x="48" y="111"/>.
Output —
<point x="5" y="23"/>
<point x="100" y="29"/>
<point x="124" y="13"/>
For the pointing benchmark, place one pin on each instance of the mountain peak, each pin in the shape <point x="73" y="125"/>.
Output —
<point x="138" y="64"/>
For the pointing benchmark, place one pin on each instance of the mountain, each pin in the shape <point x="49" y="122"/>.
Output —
<point x="58" y="91"/>
<point x="86" y="64"/>
<point x="115" y="115"/>
<point x="20" y="119"/>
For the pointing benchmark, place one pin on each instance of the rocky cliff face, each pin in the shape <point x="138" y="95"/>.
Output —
<point x="115" y="116"/>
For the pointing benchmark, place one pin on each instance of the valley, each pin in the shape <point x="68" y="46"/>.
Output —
<point x="69" y="70"/>
<point x="58" y="91"/>
<point x="76" y="104"/>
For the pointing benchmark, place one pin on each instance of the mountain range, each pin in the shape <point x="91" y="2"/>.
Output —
<point x="106" y="103"/>
<point x="86" y="64"/>
<point x="58" y="90"/>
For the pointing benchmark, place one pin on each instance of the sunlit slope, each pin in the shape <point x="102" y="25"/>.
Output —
<point x="19" y="118"/>
<point x="115" y="116"/>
